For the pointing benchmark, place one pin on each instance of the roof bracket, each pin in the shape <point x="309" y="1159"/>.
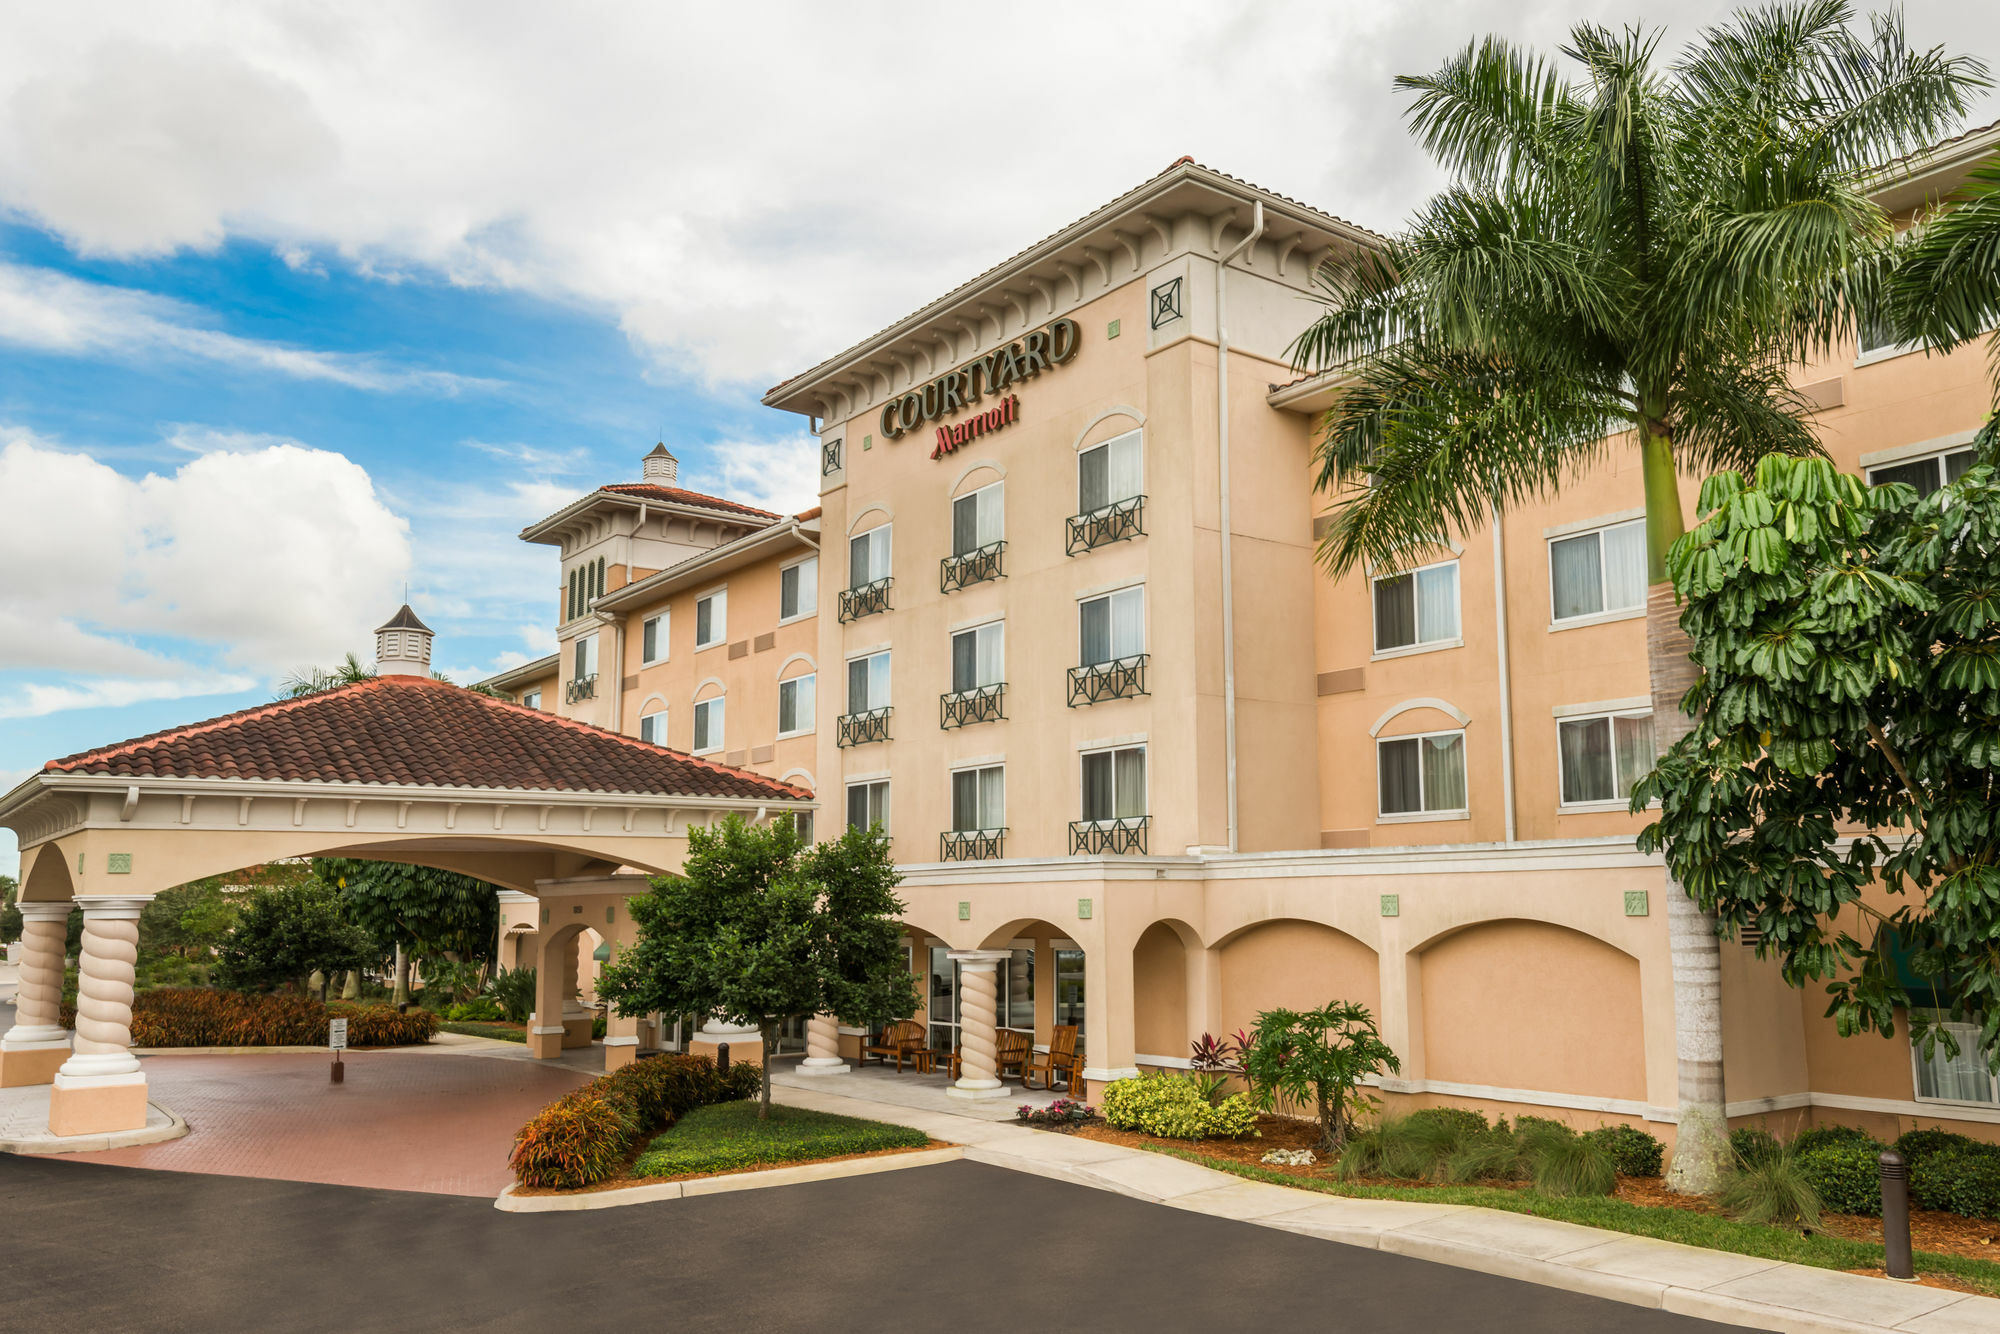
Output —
<point x="131" y="806"/>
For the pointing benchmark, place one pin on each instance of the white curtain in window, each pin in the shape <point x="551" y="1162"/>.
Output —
<point x="1577" y="576"/>
<point x="1128" y="622"/>
<point x="1437" y="603"/>
<point x="1444" y="773"/>
<point x="1634" y="739"/>
<point x="868" y="683"/>
<point x="1130" y="780"/>
<point x="1108" y="473"/>
<point x="1960" y="1078"/>
<point x="795" y="704"/>
<point x="798" y="588"/>
<point x="977" y="657"/>
<point x="978" y="798"/>
<point x="975" y="520"/>
<point x="1586" y="759"/>
<point x="868" y="557"/>
<point x="1625" y="567"/>
<point x="653" y="728"/>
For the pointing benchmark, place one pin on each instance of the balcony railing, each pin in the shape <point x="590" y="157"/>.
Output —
<point x="581" y="688"/>
<point x="1095" y="838"/>
<point x="971" y="845"/>
<point x="973" y="567"/>
<point x="1115" y="522"/>
<point x="859" y="729"/>
<point x="1121" y="678"/>
<point x="981" y="704"/>
<point x="865" y="599"/>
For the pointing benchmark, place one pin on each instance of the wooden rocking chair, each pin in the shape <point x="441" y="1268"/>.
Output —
<point x="1060" y="1057"/>
<point x="903" y="1040"/>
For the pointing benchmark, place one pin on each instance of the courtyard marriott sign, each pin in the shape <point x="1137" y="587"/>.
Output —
<point x="994" y="373"/>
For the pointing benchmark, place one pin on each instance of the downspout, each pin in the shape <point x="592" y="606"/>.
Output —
<point x="617" y="692"/>
<point x="1506" y="681"/>
<point x="1222" y="449"/>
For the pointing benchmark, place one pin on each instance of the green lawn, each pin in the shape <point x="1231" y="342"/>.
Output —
<point x="474" y="1028"/>
<point x="725" y="1136"/>
<point x="1684" y="1226"/>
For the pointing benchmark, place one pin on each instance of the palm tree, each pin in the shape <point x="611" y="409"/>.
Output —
<point x="1943" y="290"/>
<point x="1635" y="258"/>
<point x="312" y="680"/>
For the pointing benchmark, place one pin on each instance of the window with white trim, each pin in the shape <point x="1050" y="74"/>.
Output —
<point x="1114" y="783"/>
<point x="979" y="656"/>
<point x="708" y="719"/>
<point x="979" y="799"/>
<point x="802" y="821"/>
<point x="976" y="519"/>
<point x="584" y="658"/>
<point x="1603" y="756"/>
<point x="1421" y="775"/>
<point x="1111" y="627"/>
<point x="1109" y="473"/>
<point x="711" y="619"/>
<point x="653" y="727"/>
<point x="1600" y="571"/>
<point x="868" y="556"/>
<point x="868" y="804"/>
<point x="868" y="682"/>
<point x="532" y="700"/>
<point x="653" y="640"/>
<point x="1417" y="607"/>
<point x="1966" y="1077"/>
<point x="795" y="705"/>
<point x="798" y="589"/>
<point x="1927" y="475"/>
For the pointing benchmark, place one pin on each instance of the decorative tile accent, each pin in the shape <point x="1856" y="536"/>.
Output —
<point x="964" y="911"/>
<point x="118" y="863"/>
<point x="1636" y="904"/>
<point x="611" y="915"/>
<point x="545" y="917"/>
<point x="1111" y="329"/>
<point x="1392" y="905"/>
<point x="1083" y="910"/>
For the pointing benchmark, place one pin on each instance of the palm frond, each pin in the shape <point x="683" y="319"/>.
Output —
<point x="1729" y="414"/>
<point x="1491" y="114"/>
<point x="1944" y="289"/>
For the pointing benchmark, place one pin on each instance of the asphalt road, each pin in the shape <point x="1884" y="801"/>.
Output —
<point x="958" y="1246"/>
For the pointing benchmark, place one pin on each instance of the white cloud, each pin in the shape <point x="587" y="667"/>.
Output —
<point x="53" y="312"/>
<point x="746" y="189"/>
<point x="35" y="700"/>
<point x="780" y="475"/>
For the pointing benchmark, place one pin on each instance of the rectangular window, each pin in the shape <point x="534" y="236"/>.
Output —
<point x="1069" y="992"/>
<point x="795" y="705"/>
<point x="868" y="804"/>
<point x="868" y="682"/>
<point x="1417" y="607"/>
<point x="585" y="658"/>
<point x="1421" y="774"/>
<point x="1961" y="1078"/>
<point x="711" y="619"/>
<point x="1598" y="572"/>
<point x="1926" y="475"/>
<point x="1602" y="757"/>
<point x="1016" y="999"/>
<point x="653" y="727"/>
<point x="1114" y="784"/>
<point x="1113" y="626"/>
<point x="979" y="799"/>
<point x="803" y="822"/>
<point x="868" y="557"/>
<point x="798" y="589"/>
<point x="976" y="519"/>
<point x="532" y="700"/>
<point x="979" y="656"/>
<point x="653" y="640"/>
<point x="1108" y="473"/>
<point x="708" y="726"/>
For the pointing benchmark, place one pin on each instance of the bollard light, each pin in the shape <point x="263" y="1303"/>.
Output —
<point x="1895" y="1175"/>
<point x="722" y="1058"/>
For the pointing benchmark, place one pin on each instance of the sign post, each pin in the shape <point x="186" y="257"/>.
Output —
<point x="336" y="1038"/>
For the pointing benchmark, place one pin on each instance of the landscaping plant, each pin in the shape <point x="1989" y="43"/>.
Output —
<point x="1317" y="1058"/>
<point x="287" y="933"/>
<point x="1175" y="1107"/>
<point x="198" y="1017"/>
<point x="1634" y="1152"/>
<point x="583" y="1137"/>
<point x="1455" y="1146"/>
<point x="1963" y="1179"/>
<point x="1771" y="1189"/>
<point x="1753" y="1145"/>
<point x="1846" y="1175"/>
<point x="731" y="1135"/>
<point x="447" y="917"/>
<point x="1062" y="1114"/>
<point x="514" y="990"/>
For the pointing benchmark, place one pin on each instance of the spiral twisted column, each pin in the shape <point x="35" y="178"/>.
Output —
<point x="822" y="1047"/>
<point x="38" y="998"/>
<point x="104" y="989"/>
<point x="978" y="1023"/>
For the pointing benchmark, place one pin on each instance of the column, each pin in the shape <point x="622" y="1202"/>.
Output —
<point x="822" y="1047"/>
<point x="545" y="1029"/>
<point x="38" y="1044"/>
<point x="576" y="1017"/>
<point x="978" y="1022"/>
<point x="101" y="1089"/>
<point x="621" y="1039"/>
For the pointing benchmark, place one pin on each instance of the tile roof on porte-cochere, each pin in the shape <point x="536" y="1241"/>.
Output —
<point x="407" y="731"/>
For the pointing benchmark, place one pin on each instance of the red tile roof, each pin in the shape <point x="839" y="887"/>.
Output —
<point x="673" y="495"/>
<point x="410" y="731"/>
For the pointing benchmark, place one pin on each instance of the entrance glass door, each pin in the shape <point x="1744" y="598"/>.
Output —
<point x="1016" y="1008"/>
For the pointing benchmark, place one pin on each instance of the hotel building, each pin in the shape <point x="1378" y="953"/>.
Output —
<point x="1058" y="626"/>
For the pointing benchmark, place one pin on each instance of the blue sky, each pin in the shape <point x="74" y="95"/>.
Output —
<point x="302" y="304"/>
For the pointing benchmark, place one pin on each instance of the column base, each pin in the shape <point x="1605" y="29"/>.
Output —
<point x="822" y="1065"/>
<point x="619" y="1053"/>
<point x="977" y="1088"/>
<point x="545" y="1044"/>
<point x="97" y="1104"/>
<point x="576" y="1032"/>
<point x="31" y="1063"/>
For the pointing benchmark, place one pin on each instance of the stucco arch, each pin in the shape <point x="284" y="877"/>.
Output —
<point x="789" y="774"/>
<point x="805" y="658"/>
<point x="46" y="877"/>
<point x="654" y="698"/>
<point x="973" y="470"/>
<point x="704" y="684"/>
<point x="856" y="525"/>
<point x="1166" y="1009"/>
<point x="1445" y="707"/>
<point x="1084" y="438"/>
<point x="1293" y="963"/>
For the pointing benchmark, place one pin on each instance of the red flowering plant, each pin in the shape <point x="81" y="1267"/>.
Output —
<point x="1062" y="1114"/>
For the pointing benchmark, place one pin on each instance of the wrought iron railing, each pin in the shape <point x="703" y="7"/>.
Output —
<point x="829" y="459"/>
<point x="859" y="729"/>
<point x="981" y="704"/>
<point x="582" y="687"/>
<point x="1115" y="522"/>
<point x="972" y="567"/>
<point x="1095" y="838"/>
<point x="971" y="845"/>
<point x="865" y="599"/>
<point x="1121" y="678"/>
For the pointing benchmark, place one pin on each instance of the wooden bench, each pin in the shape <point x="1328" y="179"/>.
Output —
<point x="1013" y="1050"/>
<point x="903" y="1040"/>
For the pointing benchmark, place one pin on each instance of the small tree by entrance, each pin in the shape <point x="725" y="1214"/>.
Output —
<point x="287" y="934"/>
<point x="759" y="927"/>
<point x="1317" y="1057"/>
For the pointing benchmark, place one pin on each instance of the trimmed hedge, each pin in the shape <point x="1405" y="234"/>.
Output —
<point x="198" y="1017"/>
<point x="582" y="1137"/>
<point x="729" y="1136"/>
<point x="1961" y="1179"/>
<point x="1636" y="1153"/>
<point x="1755" y="1146"/>
<point x="1845" y="1174"/>
<point x="1820" y="1137"/>
<point x="1175" y="1108"/>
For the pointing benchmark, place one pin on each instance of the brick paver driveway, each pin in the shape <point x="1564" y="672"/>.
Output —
<point x="403" y="1120"/>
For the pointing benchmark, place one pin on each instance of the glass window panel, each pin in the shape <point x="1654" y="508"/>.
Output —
<point x="1395" y="612"/>
<point x="1128" y="622"/>
<point x="1587" y="773"/>
<point x="1444" y="773"/>
<point x="1923" y="475"/>
<point x="1017" y="1004"/>
<point x="1069" y="1006"/>
<point x="653" y="728"/>
<point x="649" y="640"/>
<point x="1624" y="567"/>
<point x="798" y="588"/>
<point x="857" y="807"/>
<point x="708" y="724"/>
<point x="992" y="509"/>
<point x="1576" y="573"/>
<point x="795" y="704"/>
<point x="1097" y="803"/>
<point x="942" y="1010"/>
<point x="1957" y="465"/>
<point x="992" y="665"/>
<point x="1633" y="738"/>
<point x="1093" y="479"/>
<point x="992" y="798"/>
<point x="803" y="822"/>
<point x="1960" y="1078"/>
<point x="1096" y="628"/>
<point x="964" y="524"/>
<point x="857" y="685"/>
<point x="1437" y="603"/>
<point x="965" y="799"/>
<point x="1400" y="783"/>
<point x="1124" y="478"/>
<point x="964" y="660"/>
<point x="1129" y="777"/>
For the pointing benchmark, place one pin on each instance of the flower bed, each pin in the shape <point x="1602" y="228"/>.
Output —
<point x="728" y="1137"/>
<point x="588" y="1136"/>
<point x="198" y="1017"/>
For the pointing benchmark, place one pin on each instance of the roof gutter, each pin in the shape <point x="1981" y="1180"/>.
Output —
<point x="1222" y="449"/>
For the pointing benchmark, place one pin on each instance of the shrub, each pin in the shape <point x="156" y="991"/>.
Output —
<point x="1175" y="1108"/>
<point x="1962" y="1180"/>
<point x="1464" y="1119"/>
<point x="1569" y="1164"/>
<point x="1538" y="1125"/>
<point x="381" y="1026"/>
<point x="1917" y="1145"/>
<point x="196" y="1017"/>
<point x="514" y="991"/>
<point x="1819" y="1137"/>
<point x="1062" y="1114"/>
<point x="1493" y="1155"/>
<point x="1845" y="1175"/>
<point x="1771" y="1189"/>
<point x="582" y="1137"/>
<point x="1633" y="1152"/>
<point x="478" y="1009"/>
<point x="730" y="1136"/>
<point x="1754" y="1146"/>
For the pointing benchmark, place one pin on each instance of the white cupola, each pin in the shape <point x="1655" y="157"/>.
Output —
<point x="661" y="468"/>
<point x="403" y="646"/>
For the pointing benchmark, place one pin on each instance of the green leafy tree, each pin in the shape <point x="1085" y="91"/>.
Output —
<point x="1944" y="288"/>
<point x="759" y="928"/>
<point x="1647" y="249"/>
<point x="1317" y="1058"/>
<point x="10" y="913"/>
<point x="1849" y="640"/>
<point x="286" y="934"/>
<point x="420" y="910"/>
<point x="188" y="920"/>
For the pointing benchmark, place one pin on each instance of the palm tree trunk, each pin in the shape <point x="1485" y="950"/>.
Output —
<point x="401" y="995"/>
<point x="1701" y="1137"/>
<point x="769" y="1033"/>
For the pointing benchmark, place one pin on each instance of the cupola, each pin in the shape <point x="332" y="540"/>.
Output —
<point x="661" y="468"/>
<point x="403" y="646"/>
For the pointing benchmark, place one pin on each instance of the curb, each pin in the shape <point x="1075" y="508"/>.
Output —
<point x="508" y="1202"/>
<point x="118" y="1139"/>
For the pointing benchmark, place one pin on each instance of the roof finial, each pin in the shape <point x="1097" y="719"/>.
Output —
<point x="660" y="467"/>
<point x="403" y="645"/>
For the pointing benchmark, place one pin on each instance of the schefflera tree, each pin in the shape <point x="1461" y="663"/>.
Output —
<point x="760" y="927"/>
<point x="1840" y="789"/>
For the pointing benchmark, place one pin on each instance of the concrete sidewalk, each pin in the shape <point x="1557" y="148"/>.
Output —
<point x="1687" y="1280"/>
